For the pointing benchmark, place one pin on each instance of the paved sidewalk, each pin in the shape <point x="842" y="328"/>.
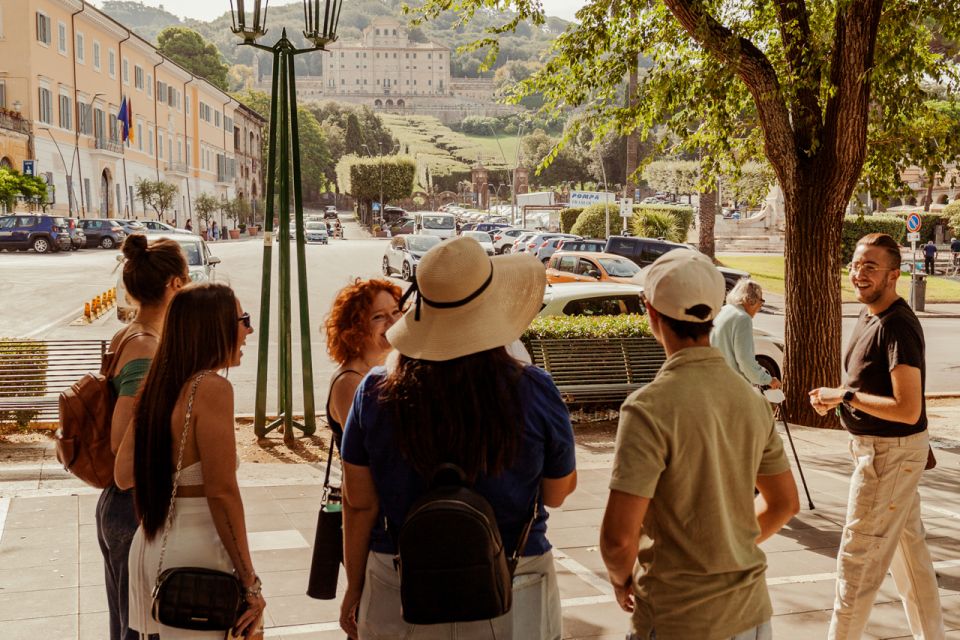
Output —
<point x="51" y="581"/>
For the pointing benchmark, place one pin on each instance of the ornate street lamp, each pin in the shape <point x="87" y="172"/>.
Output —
<point x="283" y="163"/>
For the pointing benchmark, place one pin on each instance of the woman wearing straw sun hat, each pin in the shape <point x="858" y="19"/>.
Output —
<point x="452" y="394"/>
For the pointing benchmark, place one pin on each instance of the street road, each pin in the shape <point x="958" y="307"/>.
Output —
<point x="41" y="294"/>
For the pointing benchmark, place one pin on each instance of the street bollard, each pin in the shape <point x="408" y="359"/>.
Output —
<point x="86" y="312"/>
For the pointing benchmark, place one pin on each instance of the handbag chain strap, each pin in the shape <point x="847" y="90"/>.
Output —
<point x="176" y="477"/>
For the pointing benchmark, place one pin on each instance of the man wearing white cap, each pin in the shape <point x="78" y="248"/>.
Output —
<point x="681" y="527"/>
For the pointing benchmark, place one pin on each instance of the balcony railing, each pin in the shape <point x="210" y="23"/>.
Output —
<point x="225" y="176"/>
<point x="178" y="167"/>
<point x="13" y="123"/>
<point x="104" y="144"/>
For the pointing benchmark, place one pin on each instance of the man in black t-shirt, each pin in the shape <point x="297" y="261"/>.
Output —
<point x="955" y="250"/>
<point x="881" y="404"/>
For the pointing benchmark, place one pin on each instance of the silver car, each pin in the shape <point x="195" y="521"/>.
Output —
<point x="404" y="253"/>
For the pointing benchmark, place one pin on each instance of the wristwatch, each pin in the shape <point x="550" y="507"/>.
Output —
<point x="848" y="396"/>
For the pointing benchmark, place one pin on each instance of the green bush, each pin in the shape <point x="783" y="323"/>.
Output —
<point x="568" y="217"/>
<point x="592" y="221"/>
<point x="649" y="221"/>
<point x="573" y="327"/>
<point x="928" y="223"/>
<point x="23" y="368"/>
<point x="855" y="227"/>
<point x="952" y="213"/>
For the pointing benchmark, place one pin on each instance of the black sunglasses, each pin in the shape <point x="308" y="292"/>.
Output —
<point x="245" y="320"/>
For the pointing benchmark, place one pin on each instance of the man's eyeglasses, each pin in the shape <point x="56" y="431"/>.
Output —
<point x="867" y="269"/>
<point x="244" y="320"/>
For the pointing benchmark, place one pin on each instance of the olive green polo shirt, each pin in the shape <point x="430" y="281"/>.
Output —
<point x="694" y="441"/>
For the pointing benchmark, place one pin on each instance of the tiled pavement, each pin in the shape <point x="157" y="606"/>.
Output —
<point x="51" y="581"/>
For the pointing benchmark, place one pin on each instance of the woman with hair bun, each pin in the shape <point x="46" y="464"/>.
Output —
<point x="357" y="340"/>
<point x="152" y="274"/>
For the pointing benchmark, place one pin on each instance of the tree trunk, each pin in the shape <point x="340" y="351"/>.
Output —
<point x="708" y="213"/>
<point x="633" y="139"/>
<point x="929" y="199"/>
<point x="813" y="320"/>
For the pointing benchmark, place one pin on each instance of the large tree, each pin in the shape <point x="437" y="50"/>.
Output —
<point x="188" y="49"/>
<point x="800" y="82"/>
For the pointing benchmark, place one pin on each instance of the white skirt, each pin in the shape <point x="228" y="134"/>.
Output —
<point x="193" y="542"/>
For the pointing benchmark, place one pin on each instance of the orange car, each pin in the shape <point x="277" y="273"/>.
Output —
<point x="590" y="266"/>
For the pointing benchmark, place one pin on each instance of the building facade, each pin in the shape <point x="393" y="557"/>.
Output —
<point x="66" y="68"/>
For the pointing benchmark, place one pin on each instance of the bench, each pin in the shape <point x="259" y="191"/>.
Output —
<point x="34" y="372"/>
<point x="598" y="370"/>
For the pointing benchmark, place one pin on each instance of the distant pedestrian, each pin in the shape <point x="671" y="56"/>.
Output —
<point x="189" y="225"/>
<point x="929" y="257"/>
<point x="955" y="250"/>
<point x="681" y="527"/>
<point x="212" y="236"/>
<point x="881" y="404"/>
<point x="732" y="333"/>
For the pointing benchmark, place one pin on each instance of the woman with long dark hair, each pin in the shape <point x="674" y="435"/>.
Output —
<point x="455" y="396"/>
<point x="356" y="331"/>
<point x="204" y="333"/>
<point x="152" y="275"/>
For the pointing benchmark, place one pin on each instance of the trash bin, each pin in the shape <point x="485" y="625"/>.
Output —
<point x="919" y="292"/>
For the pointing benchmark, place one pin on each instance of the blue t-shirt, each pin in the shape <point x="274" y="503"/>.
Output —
<point x="930" y="250"/>
<point x="546" y="451"/>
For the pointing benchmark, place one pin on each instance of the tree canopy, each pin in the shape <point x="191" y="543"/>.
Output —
<point x="188" y="49"/>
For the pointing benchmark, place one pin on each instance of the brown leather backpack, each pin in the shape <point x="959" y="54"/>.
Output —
<point x="86" y="413"/>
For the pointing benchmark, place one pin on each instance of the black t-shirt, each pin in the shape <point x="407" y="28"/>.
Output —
<point x="955" y="246"/>
<point x="878" y="344"/>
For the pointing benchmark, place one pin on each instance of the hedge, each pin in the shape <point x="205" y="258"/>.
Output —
<point x="574" y="327"/>
<point x="855" y="227"/>
<point x="952" y="213"/>
<point x="592" y="221"/>
<point x="928" y="223"/>
<point x="568" y="217"/>
<point x="22" y="360"/>
<point x="682" y="213"/>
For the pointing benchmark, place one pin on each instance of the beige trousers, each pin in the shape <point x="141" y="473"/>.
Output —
<point x="884" y="531"/>
<point x="535" y="614"/>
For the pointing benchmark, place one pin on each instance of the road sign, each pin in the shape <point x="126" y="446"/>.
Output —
<point x="376" y="206"/>
<point x="913" y="236"/>
<point x="29" y="167"/>
<point x="626" y="207"/>
<point x="913" y="222"/>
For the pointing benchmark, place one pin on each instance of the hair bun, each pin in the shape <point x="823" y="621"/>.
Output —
<point x="135" y="246"/>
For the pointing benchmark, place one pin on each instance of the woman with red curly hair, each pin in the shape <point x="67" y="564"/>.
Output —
<point x="356" y="340"/>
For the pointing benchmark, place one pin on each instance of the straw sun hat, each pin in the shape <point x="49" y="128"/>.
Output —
<point x="467" y="302"/>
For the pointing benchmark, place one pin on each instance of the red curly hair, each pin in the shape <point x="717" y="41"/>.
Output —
<point x="347" y="323"/>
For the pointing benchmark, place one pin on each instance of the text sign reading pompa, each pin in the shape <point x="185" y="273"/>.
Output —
<point x="587" y="198"/>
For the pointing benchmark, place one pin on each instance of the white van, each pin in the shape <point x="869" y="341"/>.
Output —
<point x="435" y="223"/>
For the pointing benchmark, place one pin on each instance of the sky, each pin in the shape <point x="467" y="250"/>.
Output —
<point x="210" y="9"/>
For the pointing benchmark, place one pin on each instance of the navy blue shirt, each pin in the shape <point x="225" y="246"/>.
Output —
<point x="546" y="451"/>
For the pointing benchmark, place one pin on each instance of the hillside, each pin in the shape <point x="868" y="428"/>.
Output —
<point x="529" y="43"/>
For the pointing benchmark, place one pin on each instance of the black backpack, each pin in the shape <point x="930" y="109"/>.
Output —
<point x="450" y="557"/>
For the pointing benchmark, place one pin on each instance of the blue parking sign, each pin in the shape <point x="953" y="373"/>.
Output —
<point x="29" y="167"/>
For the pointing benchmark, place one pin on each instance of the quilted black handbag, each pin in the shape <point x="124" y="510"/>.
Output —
<point x="194" y="598"/>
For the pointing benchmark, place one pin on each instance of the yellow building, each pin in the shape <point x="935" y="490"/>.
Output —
<point x="66" y="68"/>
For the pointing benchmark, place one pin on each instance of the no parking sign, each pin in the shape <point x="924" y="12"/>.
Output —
<point x="913" y="223"/>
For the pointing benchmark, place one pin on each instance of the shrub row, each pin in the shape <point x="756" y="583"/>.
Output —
<point x="23" y="367"/>
<point x="573" y="327"/>
<point x="855" y="227"/>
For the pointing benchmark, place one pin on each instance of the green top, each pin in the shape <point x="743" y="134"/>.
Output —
<point x="127" y="381"/>
<point x="694" y="441"/>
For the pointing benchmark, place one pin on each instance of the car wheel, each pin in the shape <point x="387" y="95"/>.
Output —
<point x="41" y="245"/>
<point x="107" y="242"/>
<point x="506" y="249"/>
<point x="386" y="266"/>
<point x="405" y="272"/>
<point x="770" y="366"/>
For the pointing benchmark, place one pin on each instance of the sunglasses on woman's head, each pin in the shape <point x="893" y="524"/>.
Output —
<point x="245" y="320"/>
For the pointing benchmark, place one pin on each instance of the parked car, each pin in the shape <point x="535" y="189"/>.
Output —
<point x="102" y="232"/>
<point x="483" y="238"/>
<point x="520" y="244"/>
<point x="78" y="239"/>
<point x="584" y="266"/>
<point x="491" y="227"/>
<point x="392" y="214"/>
<point x="435" y="223"/>
<point x="401" y="227"/>
<point x="504" y="238"/>
<point x="132" y="226"/>
<point x="200" y="264"/>
<point x="592" y="299"/>
<point x="468" y="226"/>
<point x="316" y="232"/>
<point x="404" y="253"/>
<point x="155" y="226"/>
<point x="542" y="239"/>
<point x="644" y="251"/>
<point x="42" y="233"/>
<point x="553" y="245"/>
<point x="330" y="212"/>
<point x="582" y="244"/>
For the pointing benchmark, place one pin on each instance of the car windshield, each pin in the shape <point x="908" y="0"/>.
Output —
<point x="191" y="249"/>
<point x="619" y="268"/>
<point x="316" y="226"/>
<point x="421" y="243"/>
<point x="479" y="236"/>
<point x="438" y="222"/>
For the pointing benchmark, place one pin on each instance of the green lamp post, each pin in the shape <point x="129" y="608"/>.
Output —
<point x="283" y="163"/>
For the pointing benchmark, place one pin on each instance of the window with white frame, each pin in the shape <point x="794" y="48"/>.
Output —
<point x="140" y="136"/>
<point x="112" y="63"/>
<point x="84" y="118"/>
<point x="45" y="105"/>
<point x="150" y="85"/>
<point x="66" y="111"/>
<point x="126" y="71"/>
<point x="96" y="55"/>
<point x="186" y="102"/>
<point x="216" y="118"/>
<point x="43" y="28"/>
<point x="150" y="141"/>
<point x="160" y="146"/>
<point x="3" y="94"/>
<point x="62" y="37"/>
<point x="80" y="49"/>
<point x="138" y="77"/>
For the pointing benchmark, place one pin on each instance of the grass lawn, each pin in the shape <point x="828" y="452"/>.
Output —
<point x="768" y="271"/>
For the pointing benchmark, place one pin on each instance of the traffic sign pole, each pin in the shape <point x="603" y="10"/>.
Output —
<point x="913" y="229"/>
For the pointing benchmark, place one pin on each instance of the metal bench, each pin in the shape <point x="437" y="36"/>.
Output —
<point x="598" y="370"/>
<point x="34" y="372"/>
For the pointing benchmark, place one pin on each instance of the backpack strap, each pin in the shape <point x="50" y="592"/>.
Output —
<point x="110" y="359"/>
<point x="525" y="534"/>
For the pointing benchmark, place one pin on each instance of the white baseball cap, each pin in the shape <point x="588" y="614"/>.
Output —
<point x="680" y="280"/>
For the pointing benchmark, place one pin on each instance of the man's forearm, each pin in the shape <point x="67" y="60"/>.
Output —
<point x="619" y="558"/>
<point x="886" y="408"/>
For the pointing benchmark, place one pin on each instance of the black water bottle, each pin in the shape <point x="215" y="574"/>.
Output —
<point x="327" y="548"/>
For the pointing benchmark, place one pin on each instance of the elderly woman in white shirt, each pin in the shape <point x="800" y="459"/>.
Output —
<point x="732" y="333"/>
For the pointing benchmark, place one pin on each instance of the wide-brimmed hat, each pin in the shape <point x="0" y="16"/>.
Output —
<point x="466" y="302"/>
